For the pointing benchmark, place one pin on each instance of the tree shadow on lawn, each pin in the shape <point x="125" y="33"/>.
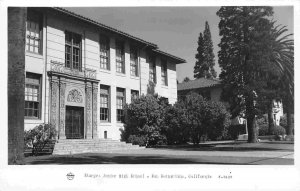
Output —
<point x="240" y="147"/>
<point x="113" y="159"/>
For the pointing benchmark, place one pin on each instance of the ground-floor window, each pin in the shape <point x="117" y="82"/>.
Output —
<point x="134" y="94"/>
<point x="120" y="104"/>
<point x="32" y="95"/>
<point x="104" y="103"/>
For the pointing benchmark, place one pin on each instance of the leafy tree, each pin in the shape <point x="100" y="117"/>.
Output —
<point x="204" y="67"/>
<point x="186" y="79"/>
<point x="245" y="50"/>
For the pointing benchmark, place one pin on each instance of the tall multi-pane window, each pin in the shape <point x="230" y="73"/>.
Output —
<point x="152" y="70"/>
<point x="133" y="62"/>
<point x="104" y="52"/>
<point x="32" y="95"/>
<point x="164" y="73"/>
<point x="120" y="104"/>
<point x="34" y="31"/>
<point x="73" y="51"/>
<point x="120" y="64"/>
<point x="104" y="103"/>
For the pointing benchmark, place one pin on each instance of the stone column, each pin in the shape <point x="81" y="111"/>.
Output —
<point x="62" y="108"/>
<point x="54" y="103"/>
<point x="95" y="95"/>
<point x="88" y="104"/>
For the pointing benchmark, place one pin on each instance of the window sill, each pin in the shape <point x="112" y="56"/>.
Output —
<point x="120" y="74"/>
<point x="105" y="71"/>
<point x="35" y="55"/>
<point x="135" y="77"/>
<point x="164" y="86"/>
<point x="33" y="120"/>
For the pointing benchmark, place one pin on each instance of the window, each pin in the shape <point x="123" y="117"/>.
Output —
<point x="164" y="75"/>
<point x="34" y="29"/>
<point x="133" y="62"/>
<point x="134" y="94"/>
<point x="104" y="103"/>
<point x="152" y="70"/>
<point x="73" y="51"/>
<point x="120" y="104"/>
<point x="32" y="95"/>
<point x="104" y="53"/>
<point x="120" y="66"/>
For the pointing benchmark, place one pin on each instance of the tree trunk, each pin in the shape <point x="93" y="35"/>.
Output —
<point x="270" y="118"/>
<point x="251" y="121"/>
<point x="16" y="82"/>
<point x="289" y="122"/>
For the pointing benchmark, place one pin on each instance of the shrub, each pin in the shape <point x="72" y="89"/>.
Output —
<point x="144" y="118"/>
<point x="277" y="130"/>
<point x="38" y="137"/>
<point x="137" y="140"/>
<point x="235" y="130"/>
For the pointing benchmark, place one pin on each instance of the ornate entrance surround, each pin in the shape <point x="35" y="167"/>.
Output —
<point x="74" y="88"/>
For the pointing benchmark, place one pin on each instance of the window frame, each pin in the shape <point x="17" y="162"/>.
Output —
<point x="34" y="17"/>
<point x="73" y="47"/>
<point x="123" y="98"/>
<point x="134" y="68"/>
<point x="164" y="72"/>
<point x="39" y="95"/>
<point x="120" y="59"/>
<point x="133" y="93"/>
<point x="104" y="40"/>
<point x="108" y="102"/>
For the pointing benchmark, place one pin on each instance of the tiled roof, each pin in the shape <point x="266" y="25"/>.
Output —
<point x="198" y="83"/>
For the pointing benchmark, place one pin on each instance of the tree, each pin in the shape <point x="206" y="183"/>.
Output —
<point x="204" y="67"/>
<point x="16" y="80"/>
<point x="245" y="50"/>
<point x="198" y="68"/>
<point x="208" y="54"/>
<point x="186" y="79"/>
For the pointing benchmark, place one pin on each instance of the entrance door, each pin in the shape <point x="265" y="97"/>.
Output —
<point x="74" y="122"/>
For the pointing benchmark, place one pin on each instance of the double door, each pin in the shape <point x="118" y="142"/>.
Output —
<point x="74" y="122"/>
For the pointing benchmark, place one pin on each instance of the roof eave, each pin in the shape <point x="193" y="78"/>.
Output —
<point x="105" y="27"/>
<point x="174" y="58"/>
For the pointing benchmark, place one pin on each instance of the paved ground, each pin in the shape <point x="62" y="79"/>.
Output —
<point x="232" y="153"/>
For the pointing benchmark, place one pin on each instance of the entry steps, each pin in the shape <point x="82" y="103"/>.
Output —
<point x="77" y="146"/>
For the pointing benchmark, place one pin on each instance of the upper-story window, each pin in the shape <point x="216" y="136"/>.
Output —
<point x="73" y="51"/>
<point x="120" y="63"/>
<point x="133" y="62"/>
<point x="152" y="70"/>
<point x="32" y="95"/>
<point x="164" y="73"/>
<point x="104" y="53"/>
<point x="34" y="31"/>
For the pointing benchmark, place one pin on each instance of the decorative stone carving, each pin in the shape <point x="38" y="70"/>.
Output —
<point x="95" y="93"/>
<point x="88" y="95"/>
<point x="62" y="109"/>
<point x="54" y="104"/>
<point x="84" y="73"/>
<point x="74" y="96"/>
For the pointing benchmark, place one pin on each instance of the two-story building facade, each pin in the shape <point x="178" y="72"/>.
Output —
<point x="80" y="73"/>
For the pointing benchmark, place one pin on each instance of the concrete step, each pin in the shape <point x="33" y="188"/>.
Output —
<point x="75" y="146"/>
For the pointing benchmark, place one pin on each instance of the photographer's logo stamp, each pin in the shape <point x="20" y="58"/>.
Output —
<point x="70" y="176"/>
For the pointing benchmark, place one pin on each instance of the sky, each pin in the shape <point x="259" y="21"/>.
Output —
<point x="174" y="29"/>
